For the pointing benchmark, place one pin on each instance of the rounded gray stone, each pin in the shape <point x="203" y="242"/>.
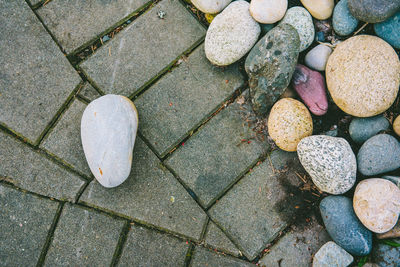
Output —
<point x="317" y="57"/>
<point x="373" y="11"/>
<point x="361" y="129"/>
<point x="343" y="21"/>
<point x="385" y="255"/>
<point x="331" y="254"/>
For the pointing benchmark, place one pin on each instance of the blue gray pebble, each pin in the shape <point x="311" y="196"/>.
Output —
<point x="343" y="21"/>
<point x="387" y="256"/>
<point x="361" y="129"/>
<point x="389" y="30"/>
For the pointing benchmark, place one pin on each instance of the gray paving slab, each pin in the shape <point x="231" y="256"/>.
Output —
<point x="25" y="221"/>
<point x="36" y="78"/>
<point x="146" y="248"/>
<point x="151" y="195"/>
<point x="83" y="238"/>
<point x="34" y="172"/>
<point x="88" y="92"/>
<point x="216" y="156"/>
<point x="217" y="239"/>
<point x="143" y="49"/>
<point x="204" y="257"/>
<point x="259" y="206"/>
<point x="74" y="23"/>
<point x="297" y="247"/>
<point x="184" y="98"/>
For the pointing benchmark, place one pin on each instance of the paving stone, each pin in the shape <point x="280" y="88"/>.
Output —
<point x="260" y="205"/>
<point x="36" y="78"/>
<point x="34" y="172"/>
<point x="297" y="247"/>
<point x="88" y="92"/>
<point x="83" y="238"/>
<point x="64" y="141"/>
<point x="25" y="221"/>
<point x="215" y="157"/>
<point x="143" y="49"/>
<point x="146" y="248"/>
<point x="150" y="195"/>
<point x="179" y="102"/>
<point x="217" y="239"/>
<point x="203" y="257"/>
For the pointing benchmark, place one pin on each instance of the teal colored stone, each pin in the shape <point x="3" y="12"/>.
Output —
<point x="343" y="21"/>
<point x="362" y="129"/>
<point x="389" y="30"/>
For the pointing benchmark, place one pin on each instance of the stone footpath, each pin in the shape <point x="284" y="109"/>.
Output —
<point x="203" y="190"/>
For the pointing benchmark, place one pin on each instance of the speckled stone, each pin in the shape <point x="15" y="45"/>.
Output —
<point x="268" y="11"/>
<point x="362" y="75"/>
<point x="343" y="21"/>
<point x="373" y="11"/>
<point x="344" y="227"/>
<point x="329" y="161"/>
<point x="317" y="57"/>
<point x="330" y="255"/>
<point x="393" y="233"/>
<point x="231" y="34"/>
<point x="361" y="129"/>
<point x="385" y="255"/>
<point x="288" y="123"/>
<point x="319" y="9"/>
<point x="108" y="132"/>
<point x="379" y="154"/>
<point x="389" y="30"/>
<point x="376" y="203"/>
<point x="211" y="6"/>
<point x="396" y="125"/>
<point x="270" y="66"/>
<point x="301" y="20"/>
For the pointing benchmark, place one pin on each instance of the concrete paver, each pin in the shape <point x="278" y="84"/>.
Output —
<point x="88" y="92"/>
<point x="204" y="257"/>
<point x="217" y="239"/>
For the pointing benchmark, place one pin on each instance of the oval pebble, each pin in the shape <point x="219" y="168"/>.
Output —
<point x="389" y="30"/>
<point x="211" y="6"/>
<point x="268" y="11"/>
<point x="373" y="11"/>
<point x="343" y="21"/>
<point x="396" y="125"/>
<point x="361" y="129"/>
<point x="317" y="57"/>
<point x="319" y="9"/>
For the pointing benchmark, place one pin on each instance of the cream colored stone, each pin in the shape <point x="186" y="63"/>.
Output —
<point x="288" y="123"/>
<point x="319" y="9"/>
<point x="396" y="125"/>
<point x="394" y="233"/>
<point x="376" y="203"/>
<point x="363" y="75"/>
<point x="211" y="6"/>
<point x="268" y="11"/>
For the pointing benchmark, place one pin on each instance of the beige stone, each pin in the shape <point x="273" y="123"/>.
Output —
<point x="394" y="233"/>
<point x="396" y="125"/>
<point x="376" y="203"/>
<point x="363" y="76"/>
<point x="319" y="9"/>
<point x="288" y="123"/>
<point x="268" y="11"/>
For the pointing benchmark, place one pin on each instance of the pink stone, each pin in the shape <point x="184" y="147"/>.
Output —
<point x="310" y="85"/>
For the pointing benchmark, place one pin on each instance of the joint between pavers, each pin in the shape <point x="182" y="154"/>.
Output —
<point x="187" y="7"/>
<point x="40" y="4"/>
<point x="16" y="135"/>
<point x="10" y="183"/>
<point x="88" y="79"/>
<point x="121" y="243"/>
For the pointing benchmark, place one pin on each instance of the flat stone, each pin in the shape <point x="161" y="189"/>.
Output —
<point x="317" y="57"/>
<point x="143" y="49"/>
<point x="88" y="92"/>
<point x="83" y="237"/>
<point x="261" y="204"/>
<point x="373" y="11"/>
<point x="146" y="247"/>
<point x="151" y="195"/>
<point x="215" y="157"/>
<point x="389" y="30"/>
<point x="331" y="254"/>
<point x="203" y="257"/>
<point x="64" y="141"/>
<point x="268" y="11"/>
<point x="36" y="79"/>
<point x="343" y="21"/>
<point x="217" y="239"/>
<point x="361" y="129"/>
<point x="30" y="170"/>
<point x="385" y="255"/>
<point x="25" y="222"/>
<point x="210" y="6"/>
<point x="183" y="98"/>
<point x="297" y="247"/>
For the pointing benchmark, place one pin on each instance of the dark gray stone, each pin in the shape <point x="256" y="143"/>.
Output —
<point x="343" y="225"/>
<point x="389" y="30"/>
<point x="203" y="257"/>
<point x="270" y="66"/>
<point x="83" y="238"/>
<point x="373" y="11"/>
<point x="64" y="141"/>
<point x="361" y="129"/>
<point x="143" y="49"/>
<point x="379" y="154"/>
<point x="25" y="221"/>
<point x="33" y="171"/>
<point x="150" y="195"/>
<point x="75" y="23"/>
<point x="217" y="239"/>
<point x="343" y="21"/>
<point x="182" y="99"/>
<point x="385" y="255"/>
<point x="146" y="248"/>
<point x="88" y="92"/>
<point x="215" y="157"/>
<point x="35" y="77"/>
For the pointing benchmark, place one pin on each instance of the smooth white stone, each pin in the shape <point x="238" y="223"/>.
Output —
<point x="211" y="6"/>
<point x="268" y="11"/>
<point x="317" y="57"/>
<point x="108" y="131"/>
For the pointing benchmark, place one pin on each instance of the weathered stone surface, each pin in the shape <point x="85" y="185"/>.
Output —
<point x="136" y="55"/>
<point x="319" y="9"/>
<point x="211" y="6"/>
<point x="343" y="21"/>
<point x="85" y="20"/>
<point x="393" y="233"/>
<point x="36" y="79"/>
<point x="33" y="171"/>
<point x="396" y="125"/>
<point x="268" y="11"/>
<point x="231" y="34"/>
<point x="25" y="221"/>
<point x="151" y="195"/>
<point x="317" y="57"/>
<point x="88" y="92"/>
<point x="270" y="65"/>
<point x="210" y="169"/>
<point x="361" y="129"/>
<point x="83" y="237"/>
<point x="373" y="11"/>
<point x="259" y="206"/>
<point x="297" y="247"/>
<point x="64" y="141"/>
<point x="204" y="257"/>
<point x="182" y="99"/>
<point x="362" y="75"/>
<point x="385" y="255"/>
<point x="331" y="254"/>
<point x="389" y="30"/>
<point x="217" y="239"/>
<point x="146" y="247"/>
